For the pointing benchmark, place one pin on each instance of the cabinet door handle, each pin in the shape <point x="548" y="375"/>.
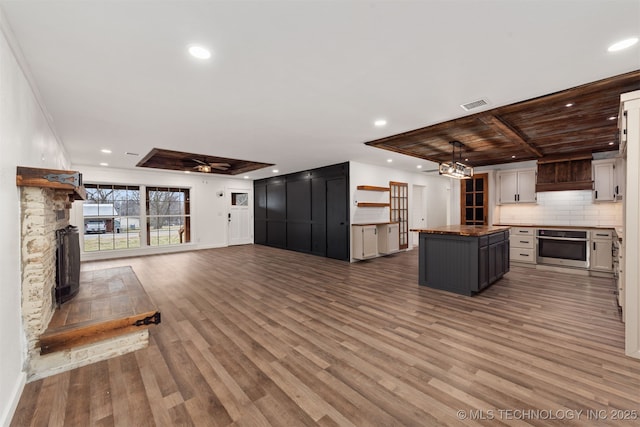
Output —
<point x="596" y="194"/>
<point x="515" y="197"/>
<point x="594" y="246"/>
<point x="524" y="241"/>
<point x="524" y="254"/>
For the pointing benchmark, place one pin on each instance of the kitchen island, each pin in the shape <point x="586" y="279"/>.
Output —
<point x="463" y="259"/>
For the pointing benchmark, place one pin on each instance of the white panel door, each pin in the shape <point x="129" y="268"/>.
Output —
<point x="240" y="218"/>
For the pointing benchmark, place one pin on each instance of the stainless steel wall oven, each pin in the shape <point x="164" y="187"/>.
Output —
<point x="568" y="248"/>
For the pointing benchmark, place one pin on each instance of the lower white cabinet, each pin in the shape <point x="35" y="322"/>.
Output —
<point x="522" y="245"/>
<point x="601" y="250"/>
<point x="372" y="240"/>
<point x="365" y="241"/>
<point x="388" y="238"/>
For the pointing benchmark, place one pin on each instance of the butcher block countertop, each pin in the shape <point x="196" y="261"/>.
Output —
<point x="464" y="230"/>
<point x="563" y="227"/>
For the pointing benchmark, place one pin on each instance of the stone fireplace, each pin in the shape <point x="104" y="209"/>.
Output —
<point x="43" y="211"/>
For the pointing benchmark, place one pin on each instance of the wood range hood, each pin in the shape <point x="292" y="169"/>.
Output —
<point x="564" y="173"/>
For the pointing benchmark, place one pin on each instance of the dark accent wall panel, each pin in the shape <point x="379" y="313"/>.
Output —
<point x="299" y="236"/>
<point x="305" y="211"/>
<point x="319" y="215"/>
<point x="276" y="200"/>
<point x="260" y="214"/>
<point x="299" y="200"/>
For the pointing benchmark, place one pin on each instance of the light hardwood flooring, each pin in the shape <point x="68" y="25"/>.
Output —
<point x="256" y="336"/>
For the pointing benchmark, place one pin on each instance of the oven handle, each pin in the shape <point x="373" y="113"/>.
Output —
<point x="571" y="239"/>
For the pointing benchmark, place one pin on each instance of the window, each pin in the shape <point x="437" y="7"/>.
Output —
<point x="111" y="217"/>
<point x="474" y="200"/>
<point x="240" y="199"/>
<point x="168" y="216"/>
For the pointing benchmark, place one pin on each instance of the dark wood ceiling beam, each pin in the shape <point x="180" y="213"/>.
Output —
<point x="505" y="129"/>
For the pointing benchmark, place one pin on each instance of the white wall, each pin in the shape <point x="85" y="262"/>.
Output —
<point x="440" y="193"/>
<point x="209" y="224"/>
<point x="26" y="139"/>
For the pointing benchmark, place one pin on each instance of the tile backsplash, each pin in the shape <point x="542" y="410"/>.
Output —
<point x="562" y="208"/>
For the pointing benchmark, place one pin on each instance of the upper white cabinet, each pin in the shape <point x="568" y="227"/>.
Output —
<point x="606" y="187"/>
<point x="517" y="186"/>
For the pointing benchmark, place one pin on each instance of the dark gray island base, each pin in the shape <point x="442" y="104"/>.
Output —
<point x="463" y="258"/>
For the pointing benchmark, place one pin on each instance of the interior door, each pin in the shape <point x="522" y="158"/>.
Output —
<point x="337" y="219"/>
<point x="474" y="197"/>
<point x="399" y="210"/>
<point x="239" y="217"/>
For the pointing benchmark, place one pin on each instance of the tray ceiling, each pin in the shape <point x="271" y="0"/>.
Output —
<point x="577" y="120"/>
<point x="159" y="158"/>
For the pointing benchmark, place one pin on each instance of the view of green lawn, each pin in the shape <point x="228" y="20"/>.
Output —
<point x="130" y="239"/>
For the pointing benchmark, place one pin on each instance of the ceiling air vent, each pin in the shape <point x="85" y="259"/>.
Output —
<point x="475" y="104"/>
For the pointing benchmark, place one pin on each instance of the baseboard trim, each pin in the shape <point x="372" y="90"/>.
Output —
<point x="10" y="409"/>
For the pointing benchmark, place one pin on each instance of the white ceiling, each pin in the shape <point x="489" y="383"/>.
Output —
<point x="300" y="83"/>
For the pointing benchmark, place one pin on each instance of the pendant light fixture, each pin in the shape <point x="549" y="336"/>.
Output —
<point x="455" y="169"/>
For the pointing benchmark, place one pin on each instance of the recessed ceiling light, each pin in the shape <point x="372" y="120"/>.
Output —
<point x="611" y="143"/>
<point x="389" y="160"/>
<point x="199" y="52"/>
<point x="106" y="151"/>
<point x="623" y="44"/>
<point x="419" y="166"/>
<point x="380" y="122"/>
<point x="187" y="171"/>
<point x="570" y="104"/>
<point x="513" y="157"/>
<point x="612" y="118"/>
<point x="275" y="171"/>
<point x="466" y="160"/>
<point x="246" y="177"/>
<point x="104" y="164"/>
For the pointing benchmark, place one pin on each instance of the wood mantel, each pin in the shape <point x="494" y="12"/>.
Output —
<point x="52" y="178"/>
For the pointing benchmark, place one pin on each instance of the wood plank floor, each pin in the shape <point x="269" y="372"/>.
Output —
<point x="256" y="336"/>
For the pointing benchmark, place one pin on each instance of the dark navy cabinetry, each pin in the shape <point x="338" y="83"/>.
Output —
<point x="465" y="262"/>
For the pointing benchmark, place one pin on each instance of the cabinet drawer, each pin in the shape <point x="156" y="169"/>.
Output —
<point x="523" y="231"/>
<point x="602" y="234"/>
<point x="522" y="241"/>
<point x="522" y="255"/>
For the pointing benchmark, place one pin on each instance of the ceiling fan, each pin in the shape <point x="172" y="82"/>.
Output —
<point x="206" y="167"/>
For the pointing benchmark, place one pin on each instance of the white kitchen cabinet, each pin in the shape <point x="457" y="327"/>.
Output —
<point x="388" y="238"/>
<point x="605" y="186"/>
<point x="601" y="250"/>
<point x="522" y="245"/>
<point x="365" y="241"/>
<point x="517" y="186"/>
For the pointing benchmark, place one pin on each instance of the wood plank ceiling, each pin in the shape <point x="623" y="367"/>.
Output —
<point x="572" y="122"/>
<point x="189" y="162"/>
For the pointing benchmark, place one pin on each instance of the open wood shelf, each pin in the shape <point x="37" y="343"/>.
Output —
<point x="372" y="188"/>
<point x="372" y="205"/>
